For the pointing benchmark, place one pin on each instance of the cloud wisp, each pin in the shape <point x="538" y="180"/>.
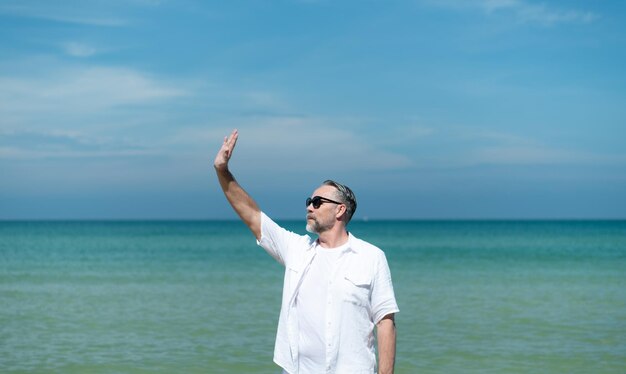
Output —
<point x="80" y="13"/>
<point x="457" y="147"/>
<point x="78" y="91"/>
<point x="80" y="50"/>
<point x="497" y="148"/>
<point x="538" y="13"/>
<point x="299" y="143"/>
<point x="53" y="144"/>
<point x="522" y="11"/>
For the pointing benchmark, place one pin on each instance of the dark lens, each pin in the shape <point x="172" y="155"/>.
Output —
<point x="317" y="201"/>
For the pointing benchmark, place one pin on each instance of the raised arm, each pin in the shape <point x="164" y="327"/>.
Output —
<point x="242" y="203"/>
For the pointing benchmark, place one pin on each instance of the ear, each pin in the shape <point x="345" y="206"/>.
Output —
<point x="341" y="210"/>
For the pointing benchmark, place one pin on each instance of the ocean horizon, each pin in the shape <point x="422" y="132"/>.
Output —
<point x="199" y="296"/>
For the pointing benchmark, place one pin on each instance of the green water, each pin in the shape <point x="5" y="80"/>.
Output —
<point x="201" y="297"/>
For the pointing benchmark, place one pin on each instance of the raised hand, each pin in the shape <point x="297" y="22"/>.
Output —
<point x="242" y="203"/>
<point x="225" y="153"/>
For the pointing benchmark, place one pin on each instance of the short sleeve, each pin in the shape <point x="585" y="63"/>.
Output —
<point x="278" y="241"/>
<point x="383" y="298"/>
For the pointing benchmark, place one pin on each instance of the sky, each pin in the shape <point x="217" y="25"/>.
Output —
<point x="427" y="109"/>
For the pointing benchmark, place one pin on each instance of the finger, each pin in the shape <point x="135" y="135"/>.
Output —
<point x="233" y="138"/>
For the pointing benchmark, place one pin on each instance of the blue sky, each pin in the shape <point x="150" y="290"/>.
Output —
<point x="427" y="109"/>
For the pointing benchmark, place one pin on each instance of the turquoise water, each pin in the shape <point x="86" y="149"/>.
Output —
<point x="201" y="297"/>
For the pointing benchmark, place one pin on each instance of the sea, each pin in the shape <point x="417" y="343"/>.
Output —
<point x="202" y="297"/>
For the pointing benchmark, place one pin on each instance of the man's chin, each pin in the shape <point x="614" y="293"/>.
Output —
<point x="311" y="228"/>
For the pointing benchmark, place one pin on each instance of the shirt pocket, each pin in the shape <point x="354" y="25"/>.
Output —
<point x="294" y="271"/>
<point x="357" y="287"/>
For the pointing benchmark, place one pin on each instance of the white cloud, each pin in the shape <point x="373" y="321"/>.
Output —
<point x="498" y="148"/>
<point x="78" y="91"/>
<point x="17" y="153"/>
<point x="296" y="143"/>
<point x="452" y="147"/>
<point x="544" y="15"/>
<point x="50" y="144"/>
<point x="282" y="144"/>
<point x="493" y="5"/>
<point x="523" y="155"/>
<point x="407" y="130"/>
<point x="77" y="12"/>
<point x="523" y="11"/>
<point x="263" y="99"/>
<point x="76" y="49"/>
<point x="84" y="113"/>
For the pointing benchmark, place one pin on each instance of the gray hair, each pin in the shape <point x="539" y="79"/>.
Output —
<point x="345" y="195"/>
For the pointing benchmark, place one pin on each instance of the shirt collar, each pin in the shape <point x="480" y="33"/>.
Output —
<point x="352" y="245"/>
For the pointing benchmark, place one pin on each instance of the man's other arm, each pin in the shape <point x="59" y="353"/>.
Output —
<point x="242" y="203"/>
<point x="386" y="333"/>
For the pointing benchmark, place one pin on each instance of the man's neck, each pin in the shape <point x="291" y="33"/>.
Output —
<point x="333" y="238"/>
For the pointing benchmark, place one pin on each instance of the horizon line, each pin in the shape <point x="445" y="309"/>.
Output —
<point x="360" y="220"/>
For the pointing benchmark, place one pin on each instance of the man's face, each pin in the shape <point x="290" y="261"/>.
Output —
<point x="323" y="218"/>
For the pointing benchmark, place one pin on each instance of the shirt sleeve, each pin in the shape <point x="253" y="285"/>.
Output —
<point x="383" y="297"/>
<point x="277" y="241"/>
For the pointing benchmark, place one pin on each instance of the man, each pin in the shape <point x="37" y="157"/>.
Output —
<point x="336" y="290"/>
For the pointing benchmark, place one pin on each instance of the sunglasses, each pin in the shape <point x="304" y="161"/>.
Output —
<point x="317" y="201"/>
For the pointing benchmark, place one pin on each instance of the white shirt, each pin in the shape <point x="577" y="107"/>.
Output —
<point x="360" y="294"/>
<point x="311" y="307"/>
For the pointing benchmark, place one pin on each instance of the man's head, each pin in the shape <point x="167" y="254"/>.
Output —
<point x="332" y="203"/>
